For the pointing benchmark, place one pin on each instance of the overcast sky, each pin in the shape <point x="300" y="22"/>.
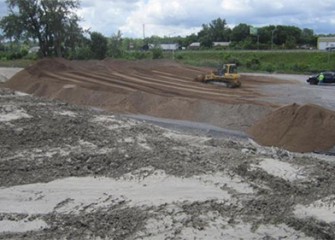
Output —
<point x="183" y="17"/>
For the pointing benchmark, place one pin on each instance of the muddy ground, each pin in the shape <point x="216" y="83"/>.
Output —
<point x="72" y="172"/>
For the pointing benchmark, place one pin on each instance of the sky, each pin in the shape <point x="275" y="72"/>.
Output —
<point x="138" y="18"/>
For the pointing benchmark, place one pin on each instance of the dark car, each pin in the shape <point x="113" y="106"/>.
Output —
<point x="329" y="77"/>
<point x="331" y="49"/>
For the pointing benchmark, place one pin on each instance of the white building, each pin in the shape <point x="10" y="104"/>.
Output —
<point x="326" y="42"/>
<point x="194" y="45"/>
<point x="221" y="44"/>
<point x="165" y="46"/>
<point x="169" y="46"/>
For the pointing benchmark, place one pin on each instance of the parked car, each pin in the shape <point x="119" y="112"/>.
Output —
<point x="331" y="49"/>
<point x="329" y="77"/>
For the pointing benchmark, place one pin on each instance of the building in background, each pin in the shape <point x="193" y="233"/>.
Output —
<point x="326" y="43"/>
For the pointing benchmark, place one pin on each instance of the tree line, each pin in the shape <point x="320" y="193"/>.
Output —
<point x="54" y="26"/>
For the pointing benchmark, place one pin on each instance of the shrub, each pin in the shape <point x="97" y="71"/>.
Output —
<point x="179" y="57"/>
<point x="157" y="53"/>
<point x="269" y="68"/>
<point x="253" y="64"/>
<point x="300" y="67"/>
<point x="82" y="53"/>
<point x="137" y="55"/>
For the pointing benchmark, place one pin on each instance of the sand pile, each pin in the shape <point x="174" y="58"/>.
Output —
<point x="157" y="88"/>
<point x="297" y="128"/>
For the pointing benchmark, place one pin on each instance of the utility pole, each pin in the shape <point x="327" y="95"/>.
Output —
<point x="143" y="31"/>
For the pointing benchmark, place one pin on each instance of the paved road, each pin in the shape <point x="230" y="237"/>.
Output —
<point x="300" y="92"/>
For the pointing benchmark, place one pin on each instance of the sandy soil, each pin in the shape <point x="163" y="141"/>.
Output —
<point x="157" y="88"/>
<point x="71" y="172"/>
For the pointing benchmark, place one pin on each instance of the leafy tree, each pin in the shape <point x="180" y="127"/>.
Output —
<point x="115" y="45"/>
<point x="240" y="32"/>
<point x="216" y="31"/>
<point x="205" y="37"/>
<point x="219" y="31"/>
<point x="308" y="37"/>
<point x="98" y="45"/>
<point x="284" y="34"/>
<point x="52" y="22"/>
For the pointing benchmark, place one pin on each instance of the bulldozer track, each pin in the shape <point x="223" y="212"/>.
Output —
<point x="164" y="84"/>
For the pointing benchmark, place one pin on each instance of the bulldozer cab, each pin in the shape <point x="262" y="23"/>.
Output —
<point x="231" y="68"/>
<point x="225" y="69"/>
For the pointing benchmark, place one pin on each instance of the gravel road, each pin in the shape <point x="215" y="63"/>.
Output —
<point x="300" y="92"/>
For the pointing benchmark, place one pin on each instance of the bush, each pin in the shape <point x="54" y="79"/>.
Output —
<point x="269" y="68"/>
<point x="82" y="53"/>
<point x="300" y="67"/>
<point x="253" y="64"/>
<point x="157" y="53"/>
<point x="31" y="56"/>
<point x="179" y="57"/>
<point x="141" y="55"/>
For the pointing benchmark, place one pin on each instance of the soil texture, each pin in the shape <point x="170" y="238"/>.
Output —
<point x="306" y="128"/>
<point x="68" y="172"/>
<point x="73" y="166"/>
<point x="157" y="88"/>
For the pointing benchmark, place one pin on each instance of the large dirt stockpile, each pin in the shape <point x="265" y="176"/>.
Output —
<point x="297" y="128"/>
<point x="158" y="88"/>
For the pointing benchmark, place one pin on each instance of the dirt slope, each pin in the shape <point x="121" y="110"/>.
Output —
<point x="297" y="128"/>
<point x="156" y="88"/>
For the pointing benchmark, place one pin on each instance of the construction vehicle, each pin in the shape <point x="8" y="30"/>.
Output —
<point x="226" y="73"/>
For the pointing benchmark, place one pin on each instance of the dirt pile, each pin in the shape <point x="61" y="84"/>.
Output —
<point x="305" y="128"/>
<point x="156" y="88"/>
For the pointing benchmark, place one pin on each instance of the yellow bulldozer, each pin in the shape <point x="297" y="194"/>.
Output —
<point x="226" y="73"/>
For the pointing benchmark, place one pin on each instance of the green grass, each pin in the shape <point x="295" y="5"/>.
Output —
<point x="262" y="61"/>
<point x="305" y="62"/>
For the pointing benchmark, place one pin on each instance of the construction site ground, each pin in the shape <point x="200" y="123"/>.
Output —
<point x="138" y="150"/>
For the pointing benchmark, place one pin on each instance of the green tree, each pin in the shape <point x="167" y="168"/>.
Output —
<point x="308" y="37"/>
<point x="98" y="45"/>
<point x="240" y="32"/>
<point x="286" y="34"/>
<point x="115" y="49"/>
<point x="51" y="22"/>
<point x="216" y="31"/>
<point x="219" y="30"/>
<point x="205" y="37"/>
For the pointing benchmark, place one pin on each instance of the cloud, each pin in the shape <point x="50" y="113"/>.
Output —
<point x="183" y="17"/>
<point x="105" y="16"/>
<point x="163" y="17"/>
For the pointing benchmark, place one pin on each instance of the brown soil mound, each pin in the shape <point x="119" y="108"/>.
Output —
<point x="297" y="128"/>
<point x="158" y="88"/>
